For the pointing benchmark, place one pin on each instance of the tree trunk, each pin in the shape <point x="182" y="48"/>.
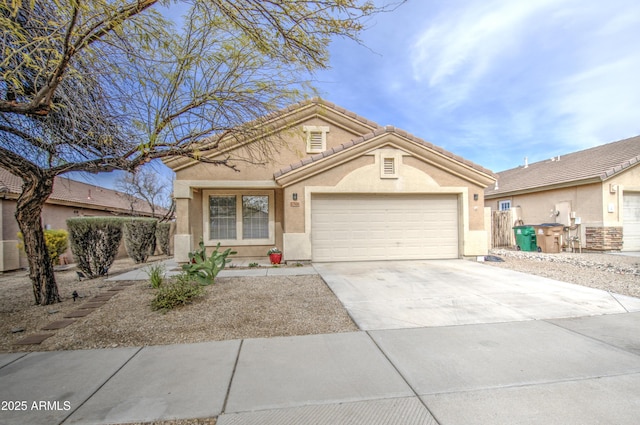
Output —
<point x="35" y="192"/>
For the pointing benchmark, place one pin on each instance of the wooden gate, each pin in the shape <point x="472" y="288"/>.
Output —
<point x="502" y="229"/>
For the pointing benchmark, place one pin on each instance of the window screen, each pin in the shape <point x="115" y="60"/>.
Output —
<point x="255" y="217"/>
<point x="222" y="217"/>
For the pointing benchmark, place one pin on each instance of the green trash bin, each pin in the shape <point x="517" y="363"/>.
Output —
<point x="526" y="238"/>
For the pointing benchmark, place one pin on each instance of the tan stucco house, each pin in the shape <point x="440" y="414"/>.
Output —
<point x="594" y="193"/>
<point x="69" y="199"/>
<point x="337" y="188"/>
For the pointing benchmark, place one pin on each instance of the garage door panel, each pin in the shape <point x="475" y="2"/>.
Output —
<point x="631" y="221"/>
<point x="384" y="227"/>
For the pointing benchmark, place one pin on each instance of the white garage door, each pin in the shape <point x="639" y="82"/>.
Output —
<point x="383" y="227"/>
<point x="631" y="222"/>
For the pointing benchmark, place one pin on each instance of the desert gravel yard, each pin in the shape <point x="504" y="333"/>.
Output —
<point x="233" y="308"/>
<point x="619" y="274"/>
<point x="243" y="307"/>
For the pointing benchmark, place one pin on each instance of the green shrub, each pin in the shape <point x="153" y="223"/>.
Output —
<point x="94" y="243"/>
<point x="139" y="234"/>
<point x="180" y="291"/>
<point x="156" y="275"/>
<point x="204" y="270"/>
<point x="163" y="237"/>
<point x="57" y="242"/>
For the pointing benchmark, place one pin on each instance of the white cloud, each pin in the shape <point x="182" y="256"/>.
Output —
<point x="601" y="103"/>
<point x="464" y="45"/>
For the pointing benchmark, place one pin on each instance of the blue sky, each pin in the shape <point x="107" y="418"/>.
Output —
<point x="497" y="80"/>
<point x="494" y="81"/>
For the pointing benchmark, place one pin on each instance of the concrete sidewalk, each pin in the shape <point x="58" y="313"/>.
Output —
<point x="582" y="370"/>
<point x="567" y="371"/>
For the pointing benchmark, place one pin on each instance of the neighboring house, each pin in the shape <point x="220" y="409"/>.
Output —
<point x="595" y="193"/>
<point x="70" y="198"/>
<point x="339" y="188"/>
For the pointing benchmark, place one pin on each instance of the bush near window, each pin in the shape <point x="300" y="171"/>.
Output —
<point x="163" y="237"/>
<point x="94" y="243"/>
<point x="139" y="234"/>
<point x="57" y="242"/>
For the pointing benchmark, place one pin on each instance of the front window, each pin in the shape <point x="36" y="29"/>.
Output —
<point x="222" y="213"/>
<point x="244" y="218"/>
<point x="255" y="217"/>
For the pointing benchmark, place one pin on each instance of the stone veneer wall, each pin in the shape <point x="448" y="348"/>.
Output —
<point x="604" y="238"/>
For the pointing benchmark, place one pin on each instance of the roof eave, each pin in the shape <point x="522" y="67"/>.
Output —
<point x="346" y="152"/>
<point x="545" y="188"/>
<point x="279" y="120"/>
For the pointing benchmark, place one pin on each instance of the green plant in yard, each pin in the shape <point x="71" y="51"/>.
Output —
<point x="57" y="242"/>
<point x="253" y="265"/>
<point x="139" y="236"/>
<point x="163" y="237"/>
<point x="94" y="242"/>
<point x="200" y="253"/>
<point x="156" y="275"/>
<point x="204" y="269"/>
<point x="178" y="292"/>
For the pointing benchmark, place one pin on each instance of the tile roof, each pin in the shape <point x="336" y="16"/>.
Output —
<point x="84" y="195"/>
<point x="379" y="131"/>
<point x="595" y="164"/>
<point x="177" y="163"/>
<point x="325" y="103"/>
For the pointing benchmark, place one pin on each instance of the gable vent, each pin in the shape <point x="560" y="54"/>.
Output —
<point x="389" y="166"/>
<point x="315" y="141"/>
<point x="316" y="138"/>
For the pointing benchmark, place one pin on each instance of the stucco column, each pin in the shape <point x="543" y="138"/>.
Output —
<point x="182" y="240"/>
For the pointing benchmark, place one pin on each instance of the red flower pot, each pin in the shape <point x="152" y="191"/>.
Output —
<point x="275" y="258"/>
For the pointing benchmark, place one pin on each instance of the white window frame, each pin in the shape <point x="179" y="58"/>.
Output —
<point x="239" y="230"/>
<point x="311" y="129"/>
<point x="502" y="204"/>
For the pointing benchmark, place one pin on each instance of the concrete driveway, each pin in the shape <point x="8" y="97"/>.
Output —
<point x="412" y="294"/>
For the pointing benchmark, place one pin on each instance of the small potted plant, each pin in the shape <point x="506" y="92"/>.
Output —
<point x="275" y="255"/>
